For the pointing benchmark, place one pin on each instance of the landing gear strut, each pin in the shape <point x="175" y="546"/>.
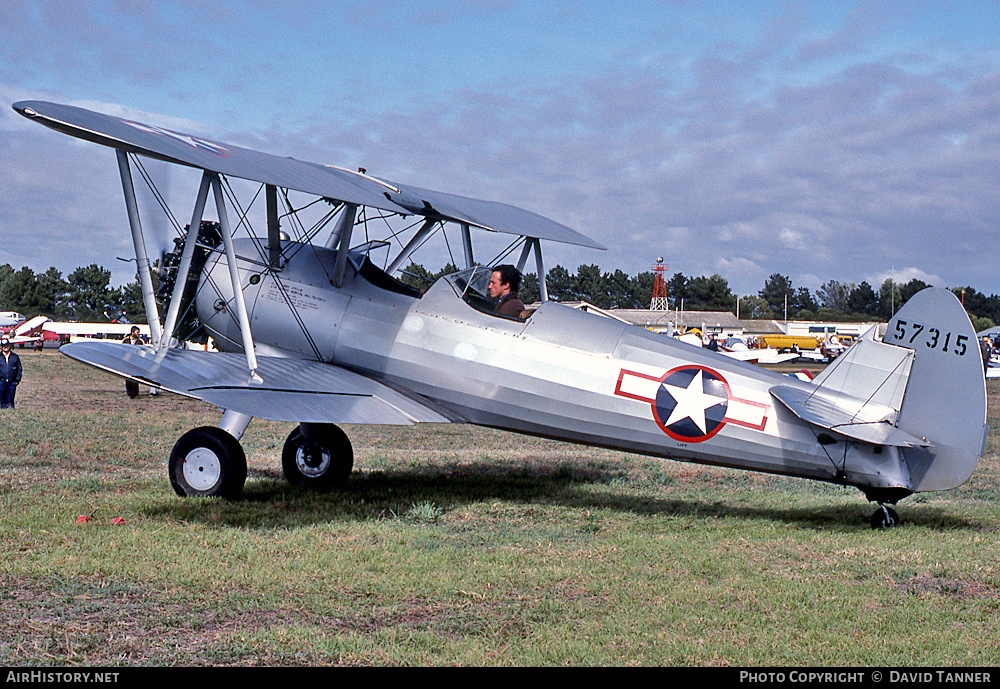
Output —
<point x="318" y="456"/>
<point x="884" y="518"/>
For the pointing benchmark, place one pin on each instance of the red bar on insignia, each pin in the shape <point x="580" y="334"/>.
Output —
<point x="637" y="386"/>
<point x="643" y="388"/>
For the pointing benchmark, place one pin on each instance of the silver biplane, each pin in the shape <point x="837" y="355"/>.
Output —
<point x="312" y="331"/>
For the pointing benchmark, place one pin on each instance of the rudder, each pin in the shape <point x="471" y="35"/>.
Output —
<point x="945" y="398"/>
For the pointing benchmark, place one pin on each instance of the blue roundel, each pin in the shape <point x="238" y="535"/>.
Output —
<point x="691" y="403"/>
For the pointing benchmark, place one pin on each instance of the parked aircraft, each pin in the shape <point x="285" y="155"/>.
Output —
<point x="28" y="332"/>
<point x="781" y="341"/>
<point x="736" y="348"/>
<point x="9" y="319"/>
<point x="314" y="332"/>
<point x="41" y="328"/>
<point x="72" y="330"/>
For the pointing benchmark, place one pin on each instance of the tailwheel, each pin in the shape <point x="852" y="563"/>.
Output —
<point x="884" y="518"/>
<point x="318" y="456"/>
<point x="208" y="462"/>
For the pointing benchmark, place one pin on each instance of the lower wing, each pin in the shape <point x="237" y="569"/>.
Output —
<point x="294" y="390"/>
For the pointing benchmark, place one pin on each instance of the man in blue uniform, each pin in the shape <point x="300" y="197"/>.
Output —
<point x="10" y="374"/>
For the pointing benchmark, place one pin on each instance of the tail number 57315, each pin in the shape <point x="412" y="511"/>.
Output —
<point x="933" y="338"/>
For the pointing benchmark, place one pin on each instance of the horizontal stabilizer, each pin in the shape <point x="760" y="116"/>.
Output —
<point x="292" y="390"/>
<point x="836" y="412"/>
<point x="870" y="370"/>
<point x="859" y="395"/>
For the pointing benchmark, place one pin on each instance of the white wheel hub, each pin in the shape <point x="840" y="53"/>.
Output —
<point x="313" y="462"/>
<point x="202" y="469"/>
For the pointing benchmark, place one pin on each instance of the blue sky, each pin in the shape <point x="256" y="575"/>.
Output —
<point x="819" y="140"/>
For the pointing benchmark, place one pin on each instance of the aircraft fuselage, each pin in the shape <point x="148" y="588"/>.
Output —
<point x="562" y="373"/>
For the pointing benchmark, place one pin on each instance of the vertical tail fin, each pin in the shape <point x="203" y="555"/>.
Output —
<point x="945" y="397"/>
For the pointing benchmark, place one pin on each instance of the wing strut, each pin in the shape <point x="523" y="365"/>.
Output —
<point x="234" y="277"/>
<point x="342" y="236"/>
<point x="273" y="227"/>
<point x="141" y="259"/>
<point x="470" y="262"/>
<point x="185" y="267"/>
<point x="529" y="243"/>
<point x="412" y="245"/>
<point x="543" y="289"/>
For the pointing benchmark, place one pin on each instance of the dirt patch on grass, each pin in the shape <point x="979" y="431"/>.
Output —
<point x="94" y="622"/>
<point x="925" y="584"/>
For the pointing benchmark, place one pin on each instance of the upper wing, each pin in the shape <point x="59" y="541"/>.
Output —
<point x="193" y="151"/>
<point x="490" y="215"/>
<point x="322" y="180"/>
<point x="292" y="389"/>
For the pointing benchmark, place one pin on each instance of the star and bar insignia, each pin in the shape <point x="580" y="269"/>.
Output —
<point x="691" y="403"/>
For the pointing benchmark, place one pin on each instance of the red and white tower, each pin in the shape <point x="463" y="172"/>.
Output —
<point x="659" y="300"/>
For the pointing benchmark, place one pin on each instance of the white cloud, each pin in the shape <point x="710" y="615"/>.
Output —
<point x="904" y="275"/>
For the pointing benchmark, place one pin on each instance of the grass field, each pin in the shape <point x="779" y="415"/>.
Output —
<point x="457" y="545"/>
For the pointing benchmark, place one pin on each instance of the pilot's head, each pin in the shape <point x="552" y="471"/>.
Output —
<point x="504" y="280"/>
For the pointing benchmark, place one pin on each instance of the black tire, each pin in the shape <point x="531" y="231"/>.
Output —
<point x="324" y="461"/>
<point x="884" y="518"/>
<point x="208" y="462"/>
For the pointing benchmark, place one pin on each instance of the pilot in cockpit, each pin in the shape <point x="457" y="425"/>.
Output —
<point x="504" y="283"/>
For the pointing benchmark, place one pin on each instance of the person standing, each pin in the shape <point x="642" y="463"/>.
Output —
<point x="133" y="338"/>
<point x="10" y="374"/>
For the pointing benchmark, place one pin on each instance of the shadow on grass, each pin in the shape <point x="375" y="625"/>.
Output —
<point x="269" y="502"/>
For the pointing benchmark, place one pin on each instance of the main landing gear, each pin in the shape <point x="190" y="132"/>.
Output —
<point x="209" y="461"/>
<point x="318" y="456"/>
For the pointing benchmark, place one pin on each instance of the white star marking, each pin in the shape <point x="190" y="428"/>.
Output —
<point x="691" y="402"/>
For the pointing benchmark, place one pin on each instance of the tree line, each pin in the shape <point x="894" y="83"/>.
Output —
<point x="86" y="294"/>
<point x="777" y="299"/>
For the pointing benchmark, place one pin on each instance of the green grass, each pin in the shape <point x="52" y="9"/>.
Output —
<point x="460" y="545"/>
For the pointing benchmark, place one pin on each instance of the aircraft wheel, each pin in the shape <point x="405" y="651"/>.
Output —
<point x="208" y="462"/>
<point x="884" y="518"/>
<point x="321" y="461"/>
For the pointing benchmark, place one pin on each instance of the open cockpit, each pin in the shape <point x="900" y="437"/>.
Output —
<point x="471" y="286"/>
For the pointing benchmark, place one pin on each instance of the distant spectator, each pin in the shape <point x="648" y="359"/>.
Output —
<point x="133" y="338"/>
<point x="10" y="374"/>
